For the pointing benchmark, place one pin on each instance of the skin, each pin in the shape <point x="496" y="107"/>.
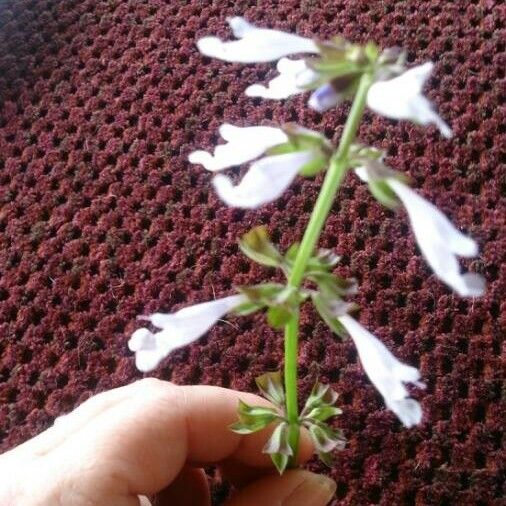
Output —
<point x="151" y="439"/>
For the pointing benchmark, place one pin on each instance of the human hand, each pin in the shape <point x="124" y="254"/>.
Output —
<point x="151" y="438"/>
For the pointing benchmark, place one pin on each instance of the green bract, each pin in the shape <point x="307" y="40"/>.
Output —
<point x="318" y="409"/>
<point x="257" y="245"/>
<point x="253" y="418"/>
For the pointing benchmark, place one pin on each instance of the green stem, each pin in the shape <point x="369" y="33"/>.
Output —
<point x="291" y="353"/>
<point x="335" y="174"/>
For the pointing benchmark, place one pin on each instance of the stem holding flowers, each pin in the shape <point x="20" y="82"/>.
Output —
<point x="333" y="179"/>
<point x="336" y="71"/>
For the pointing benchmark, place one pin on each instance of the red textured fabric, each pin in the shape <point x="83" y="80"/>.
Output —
<point x="102" y="219"/>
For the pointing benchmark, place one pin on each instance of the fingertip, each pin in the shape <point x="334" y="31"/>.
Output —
<point x="293" y="488"/>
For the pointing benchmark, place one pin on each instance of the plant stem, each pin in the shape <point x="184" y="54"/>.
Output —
<point x="335" y="174"/>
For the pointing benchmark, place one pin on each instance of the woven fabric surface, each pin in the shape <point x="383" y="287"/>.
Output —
<point x="102" y="219"/>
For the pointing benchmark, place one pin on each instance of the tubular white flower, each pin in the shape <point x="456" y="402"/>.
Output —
<point x="243" y="145"/>
<point x="255" y="44"/>
<point x="293" y="75"/>
<point x="178" y="329"/>
<point x="264" y="182"/>
<point x="401" y="98"/>
<point x="439" y="241"/>
<point x="386" y="373"/>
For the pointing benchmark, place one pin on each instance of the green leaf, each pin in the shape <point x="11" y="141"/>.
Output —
<point x="247" y="428"/>
<point x="323" y="413"/>
<point x="247" y="308"/>
<point x="383" y="193"/>
<point x="292" y="251"/>
<point x="305" y="140"/>
<point x="334" y="50"/>
<point x="281" y="149"/>
<point x="332" y="286"/>
<point x="265" y="294"/>
<point x="278" y="442"/>
<point x="278" y="316"/>
<point x="324" y="438"/>
<point x="280" y="461"/>
<point x="253" y="418"/>
<point x="326" y="458"/>
<point x="316" y="165"/>
<point x="271" y="386"/>
<point x="328" y="315"/>
<point x="372" y="51"/>
<point x="321" y="395"/>
<point x="257" y="245"/>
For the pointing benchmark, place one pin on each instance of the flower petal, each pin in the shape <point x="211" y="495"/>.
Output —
<point x="179" y="329"/>
<point x="264" y="182"/>
<point x="401" y="98"/>
<point x="324" y="98"/>
<point x="196" y="319"/>
<point x="148" y="347"/>
<point x="255" y="44"/>
<point x="243" y="144"/>
<point x="439" y="241"/>
<point x="407" y="410"/>
<point x="284" y="85"/>
<point x="386" y="373"/>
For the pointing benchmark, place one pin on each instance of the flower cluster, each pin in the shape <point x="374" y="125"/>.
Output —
<point x="333" y="71"/>
<point x="288" y="151"/>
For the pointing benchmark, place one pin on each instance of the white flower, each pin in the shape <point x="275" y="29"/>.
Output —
<point x="268" y="177"/>
<point x="439" y="241"/>
<point x="178" y="329"/>
<point x="255" y="44"/>
<point x="387" y="373"/>
<point x="293" y="76"/>
<point x="401" y="98"/>
<point x="243" y="144"/>
<point x="265" y="181"/>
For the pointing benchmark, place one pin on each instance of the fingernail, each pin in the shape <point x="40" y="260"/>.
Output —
<point x="314" y="490"/>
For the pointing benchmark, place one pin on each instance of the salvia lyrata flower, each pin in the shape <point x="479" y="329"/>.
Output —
<point x="331" y="72"/>
<point x="177" y="329"/>
<point x="439" y="241"/>
<point x="254" y="44"/>
<point x="401" y="98"/>
<point x="387" y="374"/>
<point x="287" y="151"/>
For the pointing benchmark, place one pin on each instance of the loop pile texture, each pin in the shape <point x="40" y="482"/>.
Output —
<point x="102" y="218"/>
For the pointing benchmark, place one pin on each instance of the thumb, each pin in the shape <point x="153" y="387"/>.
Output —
<point x="294" y="488"/>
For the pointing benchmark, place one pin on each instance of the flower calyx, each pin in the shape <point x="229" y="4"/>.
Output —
<point x="319" y="408"/>
<point x="302" y="139"/>
<point x="255" y="418"/>
<point x="370" y="168"/>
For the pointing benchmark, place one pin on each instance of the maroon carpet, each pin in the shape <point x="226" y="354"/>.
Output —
<point x="102" y="219"/>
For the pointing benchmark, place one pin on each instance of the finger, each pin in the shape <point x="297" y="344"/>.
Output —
<point x="190" y="487"/>
<point x="76" y="419"/>
<point x="294" y="488"/>
<point x="153" y="435"/>
<point x="240" y="473"/>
